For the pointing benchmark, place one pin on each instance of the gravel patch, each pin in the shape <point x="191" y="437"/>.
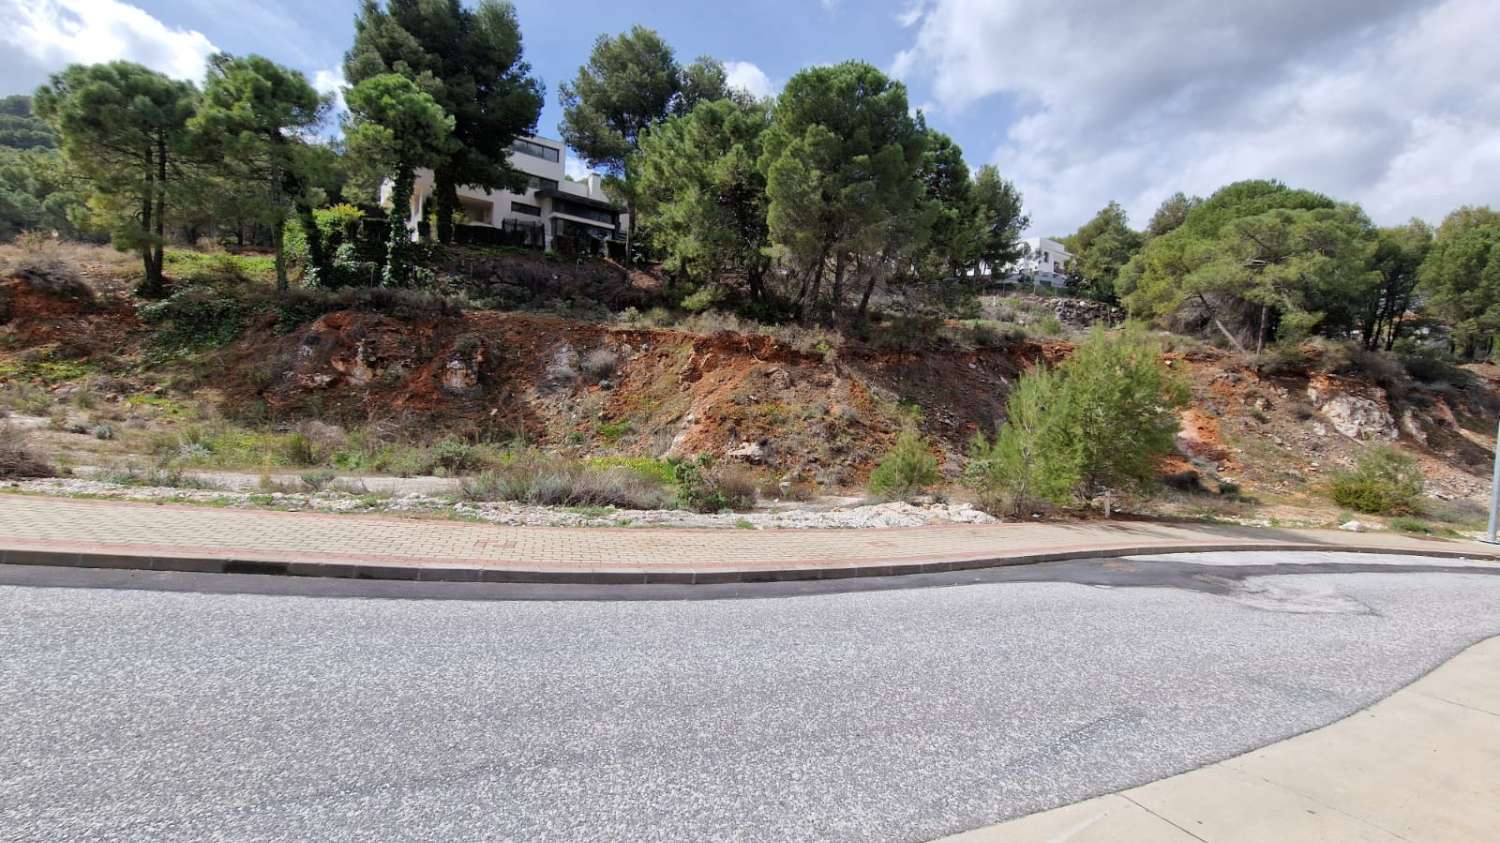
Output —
<point x="881" y="515"/>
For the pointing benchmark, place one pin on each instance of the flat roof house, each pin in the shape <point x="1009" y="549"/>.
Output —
<point x="549" y="209"/>
<point x="1046" y="263"/>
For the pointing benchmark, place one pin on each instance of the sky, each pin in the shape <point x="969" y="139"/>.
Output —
<point x="1389" y="103"/>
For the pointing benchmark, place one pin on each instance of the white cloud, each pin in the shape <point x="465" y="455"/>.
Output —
<point x="51" y="34"/>
<point x="912" y="13"/>
<point x="330" y="82"/>
<point x="749" y="78"/>
<point x="1385" y="102"/>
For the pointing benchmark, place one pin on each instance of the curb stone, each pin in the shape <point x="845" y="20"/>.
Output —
<point x="676" y="575"/>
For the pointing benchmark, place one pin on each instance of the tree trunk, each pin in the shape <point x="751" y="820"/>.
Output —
<point x="837" y="303"/>
<point x="1395" y="331"/>
<point x="151" y="283"/>
<point x="278" y="243"/>
<point x="817" y="285"/>
<point x="864" y="299"/>
<point x="161" y="204"/>
<point x="398" y="244"/>
<point x="1238" y="346"/>
<point x="1260" y="339"/>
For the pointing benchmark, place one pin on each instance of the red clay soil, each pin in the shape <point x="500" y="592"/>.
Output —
<point x="33" y="317"/>
<point x="591" y="388"/>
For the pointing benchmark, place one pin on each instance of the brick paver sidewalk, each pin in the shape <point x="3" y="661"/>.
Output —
<point x="118" y="534"/>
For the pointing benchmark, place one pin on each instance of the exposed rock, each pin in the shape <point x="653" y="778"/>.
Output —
<point x="459" y="377"/>
<point x="750" y="452"/>
<point x="1082" y="313"/>
<point x="1352" y="414"/>
<point x="1354" y="526"/>
<point x="1411" y="424"/>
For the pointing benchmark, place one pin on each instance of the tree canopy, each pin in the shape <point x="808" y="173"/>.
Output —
<point x="256" y="116"/>
<point x="1253" y="255"/>
<point x="702" y="195"/>
<point x="1461" y="276"/>
<point x="841" y="159"/>
<point x="399" y="127"/>
<point x="1101" y="247"/>
<point x="124" y="127"/>
<point x="20" y="128"/>
<point x="471" y="62"/>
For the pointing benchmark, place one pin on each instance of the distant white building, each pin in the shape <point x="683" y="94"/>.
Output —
<point x="1046" y="264"/>
<point x="549" y="208"/>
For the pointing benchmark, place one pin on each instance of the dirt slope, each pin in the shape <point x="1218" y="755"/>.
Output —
<point x="820" y="417"/>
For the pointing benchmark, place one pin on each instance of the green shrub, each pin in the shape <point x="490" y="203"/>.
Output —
<point x="1283" y="360"/>
<point x="702" y="299"/>
<point x="454" y="457"/>
<point x="1030" y="462"/>
<point x="1103" y="420"/>
<point x="1405" y="524"/>
<point x="196" y="317"/>
<point x="1384" y="481"/>
<point x="318" y="480"/>
<point x="906" y="470"/>
<point x="1429" y="367"/>
<point x="703" y="487"/>
<point x="612" y="430"/>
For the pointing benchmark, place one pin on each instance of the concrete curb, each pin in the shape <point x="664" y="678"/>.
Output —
<point x="667" y="575"/>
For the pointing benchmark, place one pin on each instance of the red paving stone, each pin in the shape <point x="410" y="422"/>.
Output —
<point x="97" y="529"/>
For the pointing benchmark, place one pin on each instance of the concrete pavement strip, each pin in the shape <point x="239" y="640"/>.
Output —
<point x="1423" y="764"/>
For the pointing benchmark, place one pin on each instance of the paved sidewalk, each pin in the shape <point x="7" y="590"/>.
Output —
<point x="1424" y="764"/>
<point x="42" y="530"/>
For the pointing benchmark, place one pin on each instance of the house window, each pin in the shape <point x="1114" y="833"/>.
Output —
<point x="539" y="183"/>
<point x="579" y="210"/>
<point x="525" y="208"/>
<point x="536" y="150"/>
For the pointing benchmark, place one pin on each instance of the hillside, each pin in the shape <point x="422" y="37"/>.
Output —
<point x="379" y="384"/>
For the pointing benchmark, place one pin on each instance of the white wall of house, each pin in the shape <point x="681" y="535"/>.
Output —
<point x="549" y="198"/>
<point x="1046" y="264"/>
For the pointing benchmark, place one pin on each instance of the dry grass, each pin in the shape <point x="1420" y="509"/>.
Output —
<point x="68" y="269"/>
<point x="544" y="479"/>
<point x="17" y="457"/>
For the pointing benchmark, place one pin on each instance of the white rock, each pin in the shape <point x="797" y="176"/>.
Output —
<point x="1353" y="527"/>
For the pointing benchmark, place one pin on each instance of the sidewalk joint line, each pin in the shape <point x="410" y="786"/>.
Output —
<point x="1230" y="764"/>
<point x="1474" y="709"/>
<point x="1127" y="798"/>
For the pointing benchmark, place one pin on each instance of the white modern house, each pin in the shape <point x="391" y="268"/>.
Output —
<point x="550" y="208"/>
<point x="1046" y="264"/>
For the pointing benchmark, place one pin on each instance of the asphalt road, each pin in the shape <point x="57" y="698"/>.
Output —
<point x="162" y="709"/>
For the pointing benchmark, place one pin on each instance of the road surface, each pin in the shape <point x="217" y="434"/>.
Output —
<point x="172" y="710"/>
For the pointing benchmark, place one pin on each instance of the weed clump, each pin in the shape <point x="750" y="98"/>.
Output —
<point x="907" y="470"/>
<point x="547" y="480"/>
<point x="18" y="459"/>
<point x="1383" y="482"/>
